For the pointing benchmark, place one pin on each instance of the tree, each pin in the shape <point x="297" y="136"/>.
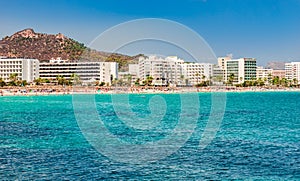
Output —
<point x="137" y="82"/>
<point x="260" y="82"/>
<point x="2" y="82"/>
<point x="149" y="80"/>
<point x="74" y="79"/>
<point x="38" y="81"/>
<point x="61" y="80"/>
<point x="275" y="81"/>
<point x="13" y="79"/>
<point x="230" y="79"/>
<point x="270" y="79"/>
<point x="24" y="83"/>
<point x="283" y="82"/>
<point x="102" y="84"/>
<point x="295" y="82"/>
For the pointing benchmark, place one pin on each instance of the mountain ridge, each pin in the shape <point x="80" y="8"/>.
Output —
<point x="29" y="44"/>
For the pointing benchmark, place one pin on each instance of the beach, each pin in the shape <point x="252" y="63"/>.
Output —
<point x="60" y="90"/>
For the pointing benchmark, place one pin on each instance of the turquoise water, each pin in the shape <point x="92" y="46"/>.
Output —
<point x="259" y="138"/>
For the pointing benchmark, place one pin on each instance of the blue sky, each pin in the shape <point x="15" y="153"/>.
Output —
<point x="265" y="29"/>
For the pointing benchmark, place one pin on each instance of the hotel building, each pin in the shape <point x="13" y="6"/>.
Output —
<point x="87" y="71"/>
<point x="197" y="72"/>
<point x="164" y="71"/>
<point x="172" y="70"/>
<point x="263" y="73"/>
<point x="278" y="73"/>
<point x="292" y="71"/>
<point x="222" y="63"/>
<point x="243" y="69"/>
<point x="26" y="69"/>
<point x="218" y="75"/>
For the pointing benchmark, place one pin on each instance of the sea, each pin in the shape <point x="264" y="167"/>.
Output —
<point x="197" y="136"/>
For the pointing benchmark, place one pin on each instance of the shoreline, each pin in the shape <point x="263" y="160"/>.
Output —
<point x="42" y="91"/>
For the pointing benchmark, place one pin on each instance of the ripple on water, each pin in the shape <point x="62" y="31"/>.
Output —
<point x="258" y="139"/>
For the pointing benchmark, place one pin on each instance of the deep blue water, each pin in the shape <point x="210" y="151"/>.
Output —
<point x="259" y="138"/>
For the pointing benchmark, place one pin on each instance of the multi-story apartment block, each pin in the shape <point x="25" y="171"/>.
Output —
<point x="278" y="73"/>
<point x="172" y="70"/>
<point x="86" y="71"/>
<point x="292" y="71"/>
<point x="163" y="70"/>
<point x="243" y="69"/>
<point x="263" y="73"/>
<point x="26" y="69"/>
<point x="196" y="72"/>
<point x="218" y="75"/>
<point x="222" y="63"/>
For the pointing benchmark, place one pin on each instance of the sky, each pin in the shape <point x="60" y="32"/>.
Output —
<point x="268" y="30"/>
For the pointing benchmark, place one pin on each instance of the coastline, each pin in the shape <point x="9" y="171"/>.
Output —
<point x="42" y="91"/>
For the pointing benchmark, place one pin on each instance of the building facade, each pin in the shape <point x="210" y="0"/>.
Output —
<point x="222" y="63"/>
<point x="278" y="73"/>
<point x="26" y="69"/>
<point x="218" y="75"/>
<point x="86" y="71"/>
<point x="243" y="69"/>
<point x="263" y="73"/>
<point x="172" y="70"/>
<point x="194" y="73"/>
<point x="164" y="71"/>
<point x="292" y="71"/>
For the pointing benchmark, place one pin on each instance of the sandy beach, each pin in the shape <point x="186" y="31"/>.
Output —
<point x="59" y="90"/>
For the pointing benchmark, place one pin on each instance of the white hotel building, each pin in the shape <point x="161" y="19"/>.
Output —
<point x="163" y="70"/>
<point x="292" y="71"/>
<point x="26" y="69"/>
<point x="263" y="73"/>
<point x="243" y="69"/>
<point x="87" y="71"/>
<point x="197" y="72"/>
<point x="172" y="70"/>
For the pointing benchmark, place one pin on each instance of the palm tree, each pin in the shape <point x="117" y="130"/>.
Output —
<point x="74" y="78"/>
<point x="260" y="82"/>
<point x="38" y="81"/>
<point x="265" y="80"/>
<point x="24" y="83"/>
<point x="13" y="79"/>
<point x="60" y="80"/>
<point x="269" y="79"/>
<point x="275" y="80"/>
<point x="295" y="81"/>
<point x="283" y="82"/>
<point x="2" y="82"/>
<point x="149" y="80"/>
<point x="230" y="79"/>
<point x="137" y="82"/>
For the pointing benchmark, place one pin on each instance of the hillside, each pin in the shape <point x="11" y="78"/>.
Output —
<point x="29" y="44"/>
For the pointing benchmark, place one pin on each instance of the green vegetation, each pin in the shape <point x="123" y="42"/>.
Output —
<point x="274" y="81"/>
<point x="2" y="82"/>
<point x="148" y="81"/>
<point x="230" y="79"/>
